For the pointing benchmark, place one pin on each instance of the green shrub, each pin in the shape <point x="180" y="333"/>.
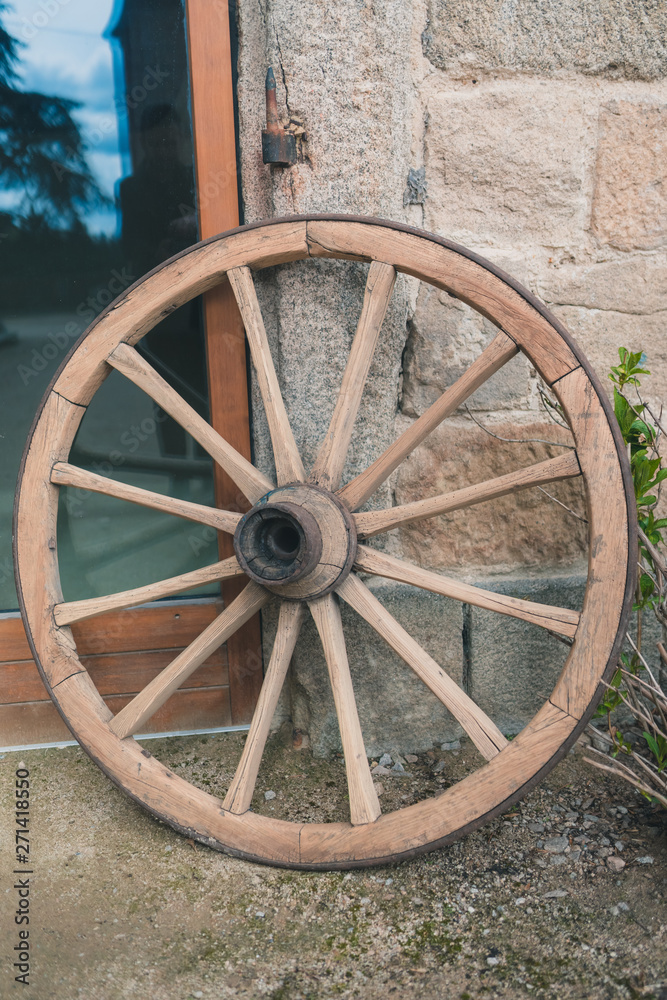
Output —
<point x="634" y="685"/>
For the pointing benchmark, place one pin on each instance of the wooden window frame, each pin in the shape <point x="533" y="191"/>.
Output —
<point x="214" y="131"/>
<point x="224" y="691"/>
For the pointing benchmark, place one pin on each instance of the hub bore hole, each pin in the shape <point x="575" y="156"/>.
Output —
<point x="282" y="539"/>
<point x="277" y="544"/>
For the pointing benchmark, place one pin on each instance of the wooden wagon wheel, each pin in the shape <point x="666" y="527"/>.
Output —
<point x="302" y="543"/>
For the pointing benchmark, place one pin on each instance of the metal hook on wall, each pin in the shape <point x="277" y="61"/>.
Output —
<point x="278" y="145"/>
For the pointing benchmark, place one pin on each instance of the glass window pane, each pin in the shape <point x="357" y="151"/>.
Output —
<point x="96" y="188"/>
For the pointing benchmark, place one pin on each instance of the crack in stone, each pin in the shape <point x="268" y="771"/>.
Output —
<point x="282" y="70"/>
<point x="598" y="309"/>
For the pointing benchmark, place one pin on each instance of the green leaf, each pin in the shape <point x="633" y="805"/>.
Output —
<point x="624" y="412"/>
<point x="629" y="368"/>
<point x="641" y="427"/>
<point x="654" y="748"/>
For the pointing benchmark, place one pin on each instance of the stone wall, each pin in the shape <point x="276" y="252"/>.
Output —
<point x="535" y="135"/>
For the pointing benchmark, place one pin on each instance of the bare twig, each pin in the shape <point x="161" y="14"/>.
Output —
<point x="628" y="775"/>
<point x="563" y="638"/>
<point x="656" y="441"/>
<point x="647" y="407"/>
<point x="641" y="714"/>
<point x="556" y="444"/>
<point x="647" y="572"/>
<point x="650" y="768"/>
<point x="663" y="662"/>
<point x="647" y="765"/>
<point x="640" y="682"/>
<point x="641" y="658"/>
<point x="568" y="509"/>
<point x="533" y="441"/>
<point x="637" y="710"/>
<point x="550" y="407"/>
<point x="656" y="556"/>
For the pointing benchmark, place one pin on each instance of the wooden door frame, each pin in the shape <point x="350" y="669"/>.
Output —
<point x="230" y="682"/>
<point x="214" y="131"/>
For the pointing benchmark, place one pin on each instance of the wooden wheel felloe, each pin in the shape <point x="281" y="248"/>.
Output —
<point x="302" y="544"/>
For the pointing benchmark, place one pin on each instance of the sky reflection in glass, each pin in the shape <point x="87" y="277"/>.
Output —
<point x="66" y="54"/>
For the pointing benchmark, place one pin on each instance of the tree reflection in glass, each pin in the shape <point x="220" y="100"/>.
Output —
<point x="96" y="188"/>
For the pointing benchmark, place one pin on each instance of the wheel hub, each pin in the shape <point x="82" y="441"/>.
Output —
<point x="298" y="540"/>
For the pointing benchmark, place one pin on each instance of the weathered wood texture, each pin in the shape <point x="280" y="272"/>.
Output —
<point x="499" y="351"/>
<point x="328" y="466"/>
<point x="239" y="794"/>
<point x="64" y="474"/>
<point x="482" y="731"/>
<point x="249" y="480"/>
<point x="338" y="540"/>
<point x="456" y="272"/>
<point x="134" y="716"/>
<point x="229" y="411"/>
<point x="148" y="301"/>
<point x="561" y="620"/>
<point x="74" y="611"/>
<point x="364" y="804"/>
<point x="40" y="721"/>
<point x="554" y="469"/>
<point x="511" y="768"/>
<point x="611" y="550"/>
<point x="106" y="651"/>
<point x="289" y="468"/>
<point x="456" y="810"/>
<point x="212" y="105"/>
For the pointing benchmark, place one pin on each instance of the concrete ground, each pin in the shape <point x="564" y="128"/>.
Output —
<point x="563" y="897"/>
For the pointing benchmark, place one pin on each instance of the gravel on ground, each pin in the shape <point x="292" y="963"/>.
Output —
<point x="561" y="897"/>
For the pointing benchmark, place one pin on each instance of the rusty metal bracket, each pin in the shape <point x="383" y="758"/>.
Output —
<point x="278" y="145"/>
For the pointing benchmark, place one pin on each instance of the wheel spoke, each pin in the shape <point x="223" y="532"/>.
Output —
<point x="364" y="804"/>
<point x="561" y="620"/>
<point x="358" y="490"/>
<point x="77" y="611"/>
<point x="328" y="466"/>
<point x="239" y="794"/>
<point x="482" y="731"/>
<point x="375" y="521"/>
<point x="289" y="467"/>
<point x="63" y="474"/>
<point x="250" y="480"/>
<point x="154" y="695"/>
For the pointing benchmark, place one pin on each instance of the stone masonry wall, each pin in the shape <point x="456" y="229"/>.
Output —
<point x="533" y="134"/>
